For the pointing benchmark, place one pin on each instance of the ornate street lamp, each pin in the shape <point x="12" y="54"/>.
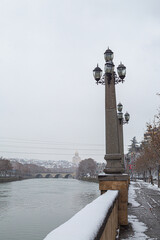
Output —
<point x="113" y="179"/>
<point x="109" y="70"/>
<point x="114" y="132"/>
<point x="122" y="119"/>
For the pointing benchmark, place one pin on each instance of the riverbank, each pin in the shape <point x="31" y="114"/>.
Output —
<point x="11" y="179"/>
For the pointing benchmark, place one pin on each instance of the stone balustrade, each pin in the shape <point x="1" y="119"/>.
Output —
<point x="97" y="221"/>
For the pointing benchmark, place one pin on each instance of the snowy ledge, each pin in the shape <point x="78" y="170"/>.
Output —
<point x="109" y="174"/>
<point x="87" y="223"/>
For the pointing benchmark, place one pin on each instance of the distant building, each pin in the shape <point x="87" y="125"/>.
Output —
<point x="76" y="159"/>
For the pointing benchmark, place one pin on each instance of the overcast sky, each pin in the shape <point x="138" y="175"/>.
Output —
<point x="49" y="103"/>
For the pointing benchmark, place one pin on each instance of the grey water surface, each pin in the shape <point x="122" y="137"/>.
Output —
<point x="30" y="209"/>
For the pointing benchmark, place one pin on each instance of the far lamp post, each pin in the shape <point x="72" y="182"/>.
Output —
<point x="120" y="115"/>
<point x="122" y="121"/>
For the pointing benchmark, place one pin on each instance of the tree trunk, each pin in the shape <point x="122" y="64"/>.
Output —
<point x="159" y="176"/>
<point x="151" y="178"/>
<point x="144" y="177"/>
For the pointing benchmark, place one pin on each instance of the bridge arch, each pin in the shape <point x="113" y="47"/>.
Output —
<point x="48" y="175"/>
<point x="58" y="175"/>
<point x="39" y="175"/>
<point x="68" y="175"/>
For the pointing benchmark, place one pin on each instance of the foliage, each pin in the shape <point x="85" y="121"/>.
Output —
<point x="5" y="166"/>
<point x="87" y="168"/>
<point x="27" y="169"/>
<point x="149" y="158"/>
<point x="8" y="167"/>
<point x="134" y="147"/>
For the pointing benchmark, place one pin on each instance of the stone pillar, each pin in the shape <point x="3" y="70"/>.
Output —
<point x="113" y="154"/>
<point x="117" y="182"/>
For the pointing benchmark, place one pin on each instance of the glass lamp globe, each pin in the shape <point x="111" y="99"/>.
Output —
<point x="121" y="69"/>
<point x="109" y="67"/>
<point x="120" y="107"/>
<point x="120" y="115"/>
<point x="108" y="55"/>
<point x="97" y="73"/>
<point x="127" y="116"/>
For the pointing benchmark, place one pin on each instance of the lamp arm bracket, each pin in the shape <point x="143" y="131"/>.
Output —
<point x="116" y="80"/>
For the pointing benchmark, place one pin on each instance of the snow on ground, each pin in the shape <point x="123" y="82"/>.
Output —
<point x="138" y="227"/>
<point x="149" y="185"/>
<point x="87" y="222"/>
<point x="132" y="196"/>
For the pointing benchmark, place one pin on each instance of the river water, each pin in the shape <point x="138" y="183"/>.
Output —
<point x="30" y="209"/>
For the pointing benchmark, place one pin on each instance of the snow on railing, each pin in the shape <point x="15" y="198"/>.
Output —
<point x="87" y="223"/>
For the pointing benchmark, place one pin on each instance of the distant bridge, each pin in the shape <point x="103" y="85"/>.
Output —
<point x="55" y="175"/>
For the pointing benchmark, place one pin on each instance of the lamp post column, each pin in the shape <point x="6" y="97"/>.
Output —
<point x="114" y="132"/>
<point x="121" y="145"/>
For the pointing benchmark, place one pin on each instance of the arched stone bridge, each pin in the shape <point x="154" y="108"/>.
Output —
<point x="55" y="175"/>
